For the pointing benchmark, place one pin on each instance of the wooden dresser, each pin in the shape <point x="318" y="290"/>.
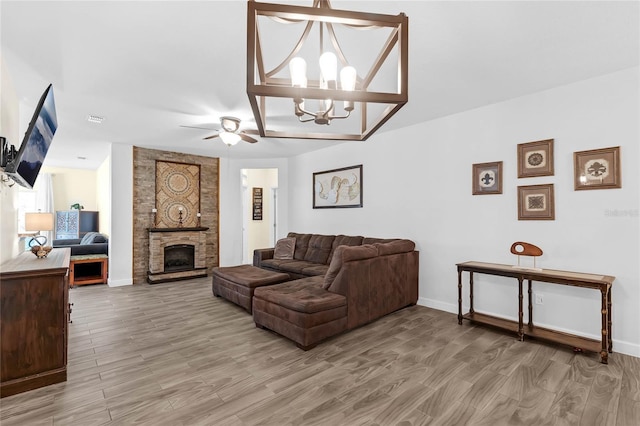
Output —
<point x="34" y="312"/>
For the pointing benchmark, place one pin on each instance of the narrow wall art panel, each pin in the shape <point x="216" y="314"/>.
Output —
<point x="177" y="194"/>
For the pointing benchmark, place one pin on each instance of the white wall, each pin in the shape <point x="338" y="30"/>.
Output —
<point x="231" y="203"/>
<point x="417" y="184"/>
<point x="121" y="237"/>
<point x="72" y="186"/>
<point x="259" y="231"/>
<point x="9" y="128"/>
<point x="103" y="195"/>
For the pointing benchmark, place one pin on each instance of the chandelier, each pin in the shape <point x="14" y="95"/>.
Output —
<point x="338" y="95"/>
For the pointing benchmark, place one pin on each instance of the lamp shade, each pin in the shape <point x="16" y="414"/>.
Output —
<point x="38" y="221"/>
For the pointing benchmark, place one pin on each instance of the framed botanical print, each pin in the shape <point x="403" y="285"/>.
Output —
<point x="597" y="169"/>
<point x="487" y="178"/>
<point x="535" y="159"/>
<point x="535" y="202"/>
<point x="338" y="188"/>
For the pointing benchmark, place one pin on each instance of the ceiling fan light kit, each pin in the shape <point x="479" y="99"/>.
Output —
<point x="230" y="133"/>
<point x="355" y="92"/>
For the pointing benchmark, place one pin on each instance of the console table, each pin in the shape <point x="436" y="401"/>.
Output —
<point x="575" y="279"/>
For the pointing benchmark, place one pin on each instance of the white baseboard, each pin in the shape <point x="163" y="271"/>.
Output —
<point x="120" y="283"/>
<point x="619" y="346"/>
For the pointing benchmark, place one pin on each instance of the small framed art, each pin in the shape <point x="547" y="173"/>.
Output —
<point x="535" y="159"/>
<point x="487" y="178"/>
<point x="597" y="169"/>
<point x="338" y="188"/>
<point x="535" y="202"/>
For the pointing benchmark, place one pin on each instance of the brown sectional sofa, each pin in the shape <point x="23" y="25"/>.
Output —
<point x="346" y="282"/>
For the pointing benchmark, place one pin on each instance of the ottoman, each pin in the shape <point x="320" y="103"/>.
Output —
<point x="237" y="283"/>
<point x="301" y="310"/>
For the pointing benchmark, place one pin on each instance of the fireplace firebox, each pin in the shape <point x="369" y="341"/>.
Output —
<point x="179" y="257"/>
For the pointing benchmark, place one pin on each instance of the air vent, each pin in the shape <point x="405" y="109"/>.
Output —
<point x="95" y="119"/>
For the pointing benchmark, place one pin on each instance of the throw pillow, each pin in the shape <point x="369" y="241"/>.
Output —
<point x="284" y="248"/>
<point x="88" y="238"/>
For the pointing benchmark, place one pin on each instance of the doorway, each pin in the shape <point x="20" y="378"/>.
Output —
<point x="259" y="210"/>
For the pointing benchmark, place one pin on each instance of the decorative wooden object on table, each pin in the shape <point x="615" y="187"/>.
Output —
<point x="88" y="269"/>
<point x="34" y="311"/>
<point x="575" y="279"/>
<point x="520" y="248"/>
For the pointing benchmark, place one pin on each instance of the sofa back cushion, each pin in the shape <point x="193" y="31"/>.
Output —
<point x="343" y="240"/>
<point x="319" y="248"/>
<point x="369" y="240"/>
<point x="302" y="243"/>
<point x="344" y="254"/>
<point x="393" y="247"/>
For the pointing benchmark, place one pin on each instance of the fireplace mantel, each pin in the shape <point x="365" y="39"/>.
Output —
<point x="201" y="228"/>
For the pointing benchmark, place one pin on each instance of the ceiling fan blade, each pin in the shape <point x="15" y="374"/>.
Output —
<point x="247" y="138"/>
<point x="251" y="131"/>
<point x="197" y="127"/>
<point x="211" y="137"/>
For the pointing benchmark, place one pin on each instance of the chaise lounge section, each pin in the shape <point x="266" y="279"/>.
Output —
<point x="362" y="283"/>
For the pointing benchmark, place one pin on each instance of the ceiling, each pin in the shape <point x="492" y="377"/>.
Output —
<point x="151" y="67"/>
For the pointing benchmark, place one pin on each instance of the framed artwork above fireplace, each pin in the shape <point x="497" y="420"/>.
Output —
<point x="177" y="194"/>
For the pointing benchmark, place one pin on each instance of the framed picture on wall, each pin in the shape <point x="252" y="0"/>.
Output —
<point x="535" y="159"/>
<point x="597" y="169"/>
<point x="535" y="202"/>
<point x="487" y="178"/>
<point x="338" y="188"/>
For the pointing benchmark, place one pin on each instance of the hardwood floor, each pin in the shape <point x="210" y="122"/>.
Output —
<point x="173" y="354"/>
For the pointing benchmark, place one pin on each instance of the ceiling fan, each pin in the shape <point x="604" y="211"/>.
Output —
<point x="230" y="133"/>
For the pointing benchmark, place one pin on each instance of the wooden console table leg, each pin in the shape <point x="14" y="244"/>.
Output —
<point x="530" y="306"/>
<point x="471" y="293"/>
<point x="609" y="334"/>
<point x="459" y="296"/>
<point x="520" y="311"/>
<point x="604" y="355"/>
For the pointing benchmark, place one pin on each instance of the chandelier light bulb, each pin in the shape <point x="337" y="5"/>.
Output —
<point x="298" y="71"/>
<point x="329" y="66"/>
<point x="348" y="78"/>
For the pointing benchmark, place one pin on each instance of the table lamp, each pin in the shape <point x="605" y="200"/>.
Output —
<point x="38" y="222"/>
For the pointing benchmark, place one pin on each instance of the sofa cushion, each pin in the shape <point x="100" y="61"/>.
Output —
<point x="345" y="254"/>
<point x="302" y="243"/>
<point x="304" y="295"/>
<point x="300" y="267"/>
<point x="393" y="247"/>
<point x="319" y="248"/>
<point x="284" y="248"/>
<point x="343" y="240"/>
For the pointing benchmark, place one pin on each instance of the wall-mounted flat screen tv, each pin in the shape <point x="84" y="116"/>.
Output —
<point x="26" y="165"/>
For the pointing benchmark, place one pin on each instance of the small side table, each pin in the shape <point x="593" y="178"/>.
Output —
<point x="88" y="269"/>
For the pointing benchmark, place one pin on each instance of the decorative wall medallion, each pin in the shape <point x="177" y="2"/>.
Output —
<point x="535" y="159"/>
<point x="177" y="194"/>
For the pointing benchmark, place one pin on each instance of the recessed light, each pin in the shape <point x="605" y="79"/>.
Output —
<point x="95" y="119"/>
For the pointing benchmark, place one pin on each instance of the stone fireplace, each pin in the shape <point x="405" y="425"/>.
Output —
<point x="176" y="253"/>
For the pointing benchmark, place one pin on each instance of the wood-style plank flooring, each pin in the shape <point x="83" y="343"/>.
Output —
<point x="173" y="354"/>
